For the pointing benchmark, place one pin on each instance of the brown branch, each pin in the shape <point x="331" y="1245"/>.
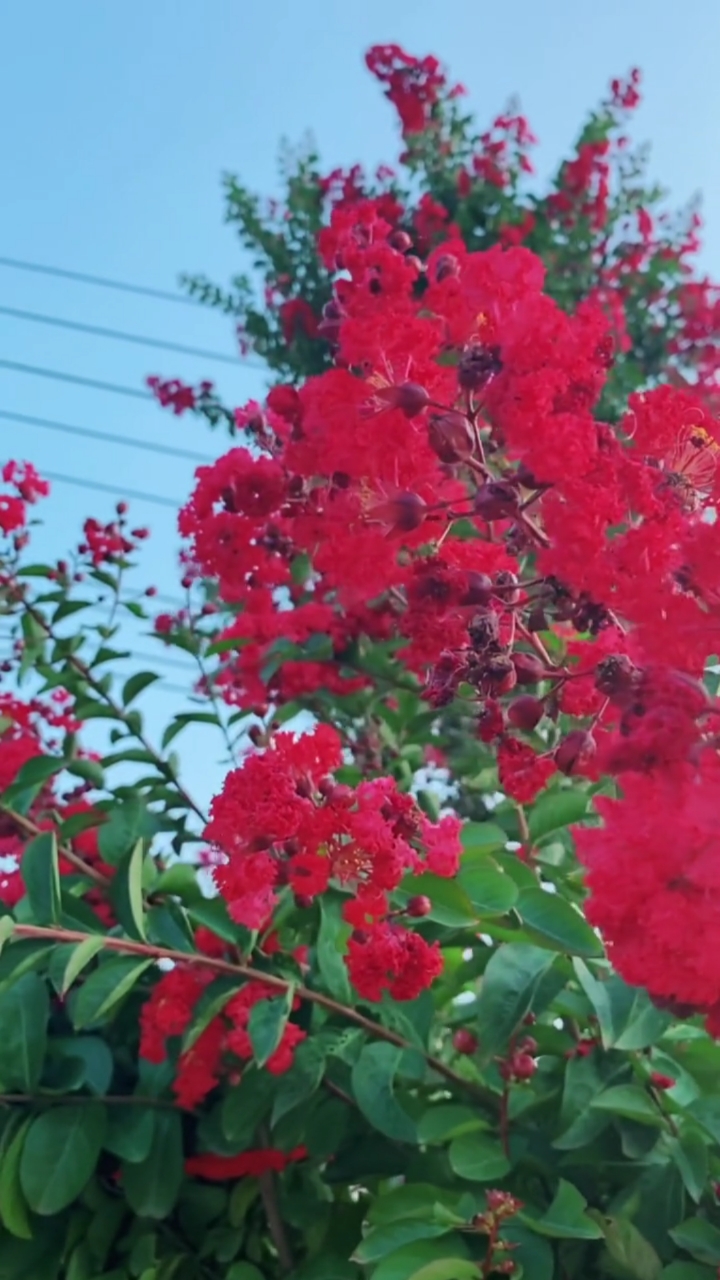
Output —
<point x="70" y="1099"/>
<point x="31" y="828"/>
<point x="269" y="1197"/>
<point x="127" y="947"/>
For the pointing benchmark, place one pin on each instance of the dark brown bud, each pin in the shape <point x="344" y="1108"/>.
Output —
<point x="617" y="678"/>
<point x="507" y="586"/>
<point x="410" y="398"/>
<point x="449" y="437"/>
<point x="478" y="365"/>
<point x="496" y="500"/>
<point x="484" y="630"/>
<point x="499" y="674"/>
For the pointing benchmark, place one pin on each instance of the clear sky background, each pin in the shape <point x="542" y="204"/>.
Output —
<point x="117" y="120"/>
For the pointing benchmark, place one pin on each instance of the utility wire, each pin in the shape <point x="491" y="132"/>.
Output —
<point x="121" y="335"/>
<point x="104" y="283"/>
<point x="118" y="491"/>
<point x="40" y="371"/>
<point x="106" y="436"/>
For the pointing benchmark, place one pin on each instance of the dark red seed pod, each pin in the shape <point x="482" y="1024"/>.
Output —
<point x="410" y="398"/>
<point x="446" y="265"/>
<point x="529" y="668"/>
<point x="525" y="712"/>
<point x="575" y="751"/>
<point x="478" y="589"/>
<point x="449" y="436"/>
<point x="464" y="1041"/>
<point x="507" y="586"/>
<point x="419" y="906"/>
<point x="496" y="500"/>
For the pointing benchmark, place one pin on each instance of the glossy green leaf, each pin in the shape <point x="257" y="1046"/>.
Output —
<point x="135" y="685"/>
<point x="631" y="1101"/>
<point x="59" y="1155"/>
<point x="331" y="939"/>
<point x="556" y="810"/>
<point x="97" y="999"/>
<point x="690" y="1153"/>
<point x="80" y="957"/>
<point x="301" y="1081"/>
<point x="373" y="1077"/>
<point x="41" y="877"/>
<point x="630" y="1250"/>
<point x="135" y="888"/>
<point x="566" y="1219"/>
<point x="268" y="1019"/>
<point x="482" y="837"/>
<point x="14" y="1212"/>
<point x="410" y="1259"/>
<point x="442" y="1122"/>
<point x="488" y="887"/>
<point x="509" y="985"/>
<point x="478" y="1158"/>
<point x="699" y="1238"/>
<point x="24" y="1012"/>
<point x="152" y="1185"/>
<point x="451" y="905"/>
<point x="380" y="1241"/>
<point x="553" y="918"/>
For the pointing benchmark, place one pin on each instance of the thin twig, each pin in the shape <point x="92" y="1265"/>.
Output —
<point x="31" y="828"/>
<point x="269" y="1197"/>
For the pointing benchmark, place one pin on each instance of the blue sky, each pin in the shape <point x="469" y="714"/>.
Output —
<point x="118" y="120"/>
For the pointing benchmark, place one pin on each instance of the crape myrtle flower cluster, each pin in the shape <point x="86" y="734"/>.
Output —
<point x="448" y="486"/>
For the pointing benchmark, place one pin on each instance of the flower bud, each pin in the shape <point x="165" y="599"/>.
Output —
<point x="525" y="712"/>
<point x="478" y="365"/>
<point x="575" y="751"/>
<point x="660" y="1081"/>
<point x="496" y="500"/>
<point x="400" y="240"/>
<point x="523" y="1066"/>
<point x="419" y="906"/>
<point x="410" y="398"/>
<point x="528" y="667"/>
<point x="478" y="589"/>
<point x="464" y="1041"/>
<point x="449" y="437"/>
<point x="447" y="265"/>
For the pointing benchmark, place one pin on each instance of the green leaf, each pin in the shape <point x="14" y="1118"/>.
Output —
<point x="510" y="983"/>
<point x="98" y="998"/>
<point x="691" y="1157"/>
<point x="331" y="938"/>
<point x="91" y="1055"/>
<point x="380" y="1241"/>
<point x="135" y="888"/>
<point x="135" y="685"/>
<point x="630" y="1250"/>
<point x="24" y="1012"/>
<point x="59" y="1155"/>
<point x="411" y="1259"/>
<point x="152" y="1185"/>
<point x="88" y="770"/>
<point x="267" y="1022"/>
<point x="130" y="1133"/>
<point x="566" y="1218"/>
<point x="478" y="1158"/>
<point x="7" y="929"/>
<point x="373" y="1077"/>
<point x="124" y="826"/>
<point x="441" y="1122"/>
<point x="688" y="1271"/>
<point x="411" y="1200"/>
<point x="555" y="919"/>
<point x="556" y="810"/>
<point x="482" y="837"/>
<point x="30" y="780"/>
<point x="244" y="1105"/>
<point x="530" y="1252"/>
<point x="41" y="877"/>
<point x="628" y="1100"/>
<point x="626" y="1015"/>
<point x="450" y="904"/>
<point x="487" y="886"/>
<point x="699" y="1238"/>
<point x="14" y="1211"/>
<point x="81" y="956"/>
<point x="302" y="1080"/>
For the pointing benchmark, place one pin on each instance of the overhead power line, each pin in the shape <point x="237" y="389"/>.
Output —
<point x="119" y="491"/>
<point x="107" y="437"/>
<point x="102" y="281"/>
<point x="120" y="335"/>
<point x="40" y="371"/>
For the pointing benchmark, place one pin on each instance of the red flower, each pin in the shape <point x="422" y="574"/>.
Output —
<point x="248" y="1164"/>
